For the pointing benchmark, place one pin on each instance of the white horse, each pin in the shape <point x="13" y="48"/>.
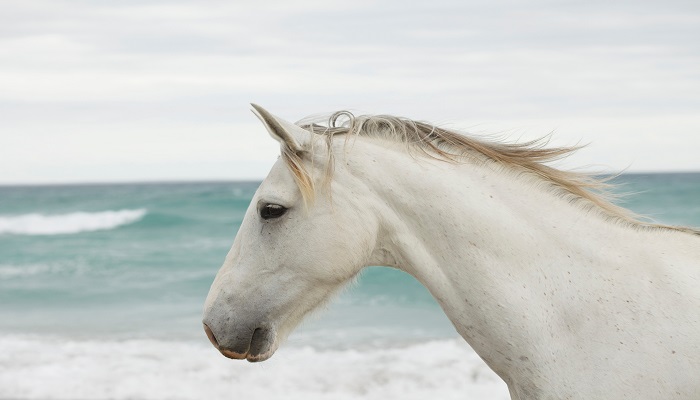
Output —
<point x="563" y="295"/>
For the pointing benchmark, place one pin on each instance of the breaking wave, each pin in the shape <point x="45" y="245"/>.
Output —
<point x="22" y="271"/>
<point x="153" y="369"/>
<point x="61" y="224"/>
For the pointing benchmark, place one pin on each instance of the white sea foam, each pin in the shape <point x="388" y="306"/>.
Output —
<point x="15" y="271"/>
<point x="51" y="368"/>
<point x="40" y="224"/>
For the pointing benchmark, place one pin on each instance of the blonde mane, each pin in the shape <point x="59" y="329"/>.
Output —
<point x="586" y="190"/>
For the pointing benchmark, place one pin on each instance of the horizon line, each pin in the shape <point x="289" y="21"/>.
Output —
<point x="253" y="180"/>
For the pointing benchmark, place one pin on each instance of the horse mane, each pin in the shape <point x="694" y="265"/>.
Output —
<point x="586" y="190"/>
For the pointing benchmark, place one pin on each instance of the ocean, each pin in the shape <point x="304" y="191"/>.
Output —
<point x="102" y="288"/>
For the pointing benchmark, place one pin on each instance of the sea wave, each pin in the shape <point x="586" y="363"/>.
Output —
<point x="22" y="271"/>
<point x="153" y="369"/>
<point x="41" y="224"/>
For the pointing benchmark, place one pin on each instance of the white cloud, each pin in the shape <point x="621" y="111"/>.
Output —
<point x="122" y="91"/>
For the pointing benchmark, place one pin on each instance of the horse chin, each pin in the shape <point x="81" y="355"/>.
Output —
<point x="260" y="357"/>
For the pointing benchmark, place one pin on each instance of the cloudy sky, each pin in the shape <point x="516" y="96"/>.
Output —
<point x="102" y="91"/>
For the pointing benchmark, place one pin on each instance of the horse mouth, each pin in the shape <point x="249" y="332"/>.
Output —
<point x="247" y="356"/>
<point x="260" y="347"/>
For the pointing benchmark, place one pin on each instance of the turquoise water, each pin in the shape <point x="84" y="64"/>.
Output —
<point x="147" y="276"/>
<point x="672" y="199"/>
<point x="109" y="282"/>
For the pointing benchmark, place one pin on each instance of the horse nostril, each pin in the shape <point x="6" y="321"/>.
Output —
<point x="211" y="336"/>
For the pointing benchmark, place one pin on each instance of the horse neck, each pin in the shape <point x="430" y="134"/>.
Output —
<point x="492" y="247"/>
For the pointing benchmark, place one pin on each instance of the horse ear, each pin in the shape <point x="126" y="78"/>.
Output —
<point x="282" y="131"/>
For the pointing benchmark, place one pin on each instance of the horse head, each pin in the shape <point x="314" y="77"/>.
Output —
<point x="296" y="246"/>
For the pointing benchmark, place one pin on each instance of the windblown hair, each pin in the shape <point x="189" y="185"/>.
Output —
<point x="530" y="158"/>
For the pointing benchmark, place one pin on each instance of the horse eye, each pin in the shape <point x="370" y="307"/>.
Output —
<point x="269" y="211"/>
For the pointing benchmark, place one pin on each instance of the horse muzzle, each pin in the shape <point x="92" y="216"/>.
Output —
<point x="254" y="345"/>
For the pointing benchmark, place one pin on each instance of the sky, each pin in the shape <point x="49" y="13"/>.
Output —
<point x="105" y="91"/>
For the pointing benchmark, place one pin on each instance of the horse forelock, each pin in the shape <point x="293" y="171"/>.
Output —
<point x="586" y="190"/>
